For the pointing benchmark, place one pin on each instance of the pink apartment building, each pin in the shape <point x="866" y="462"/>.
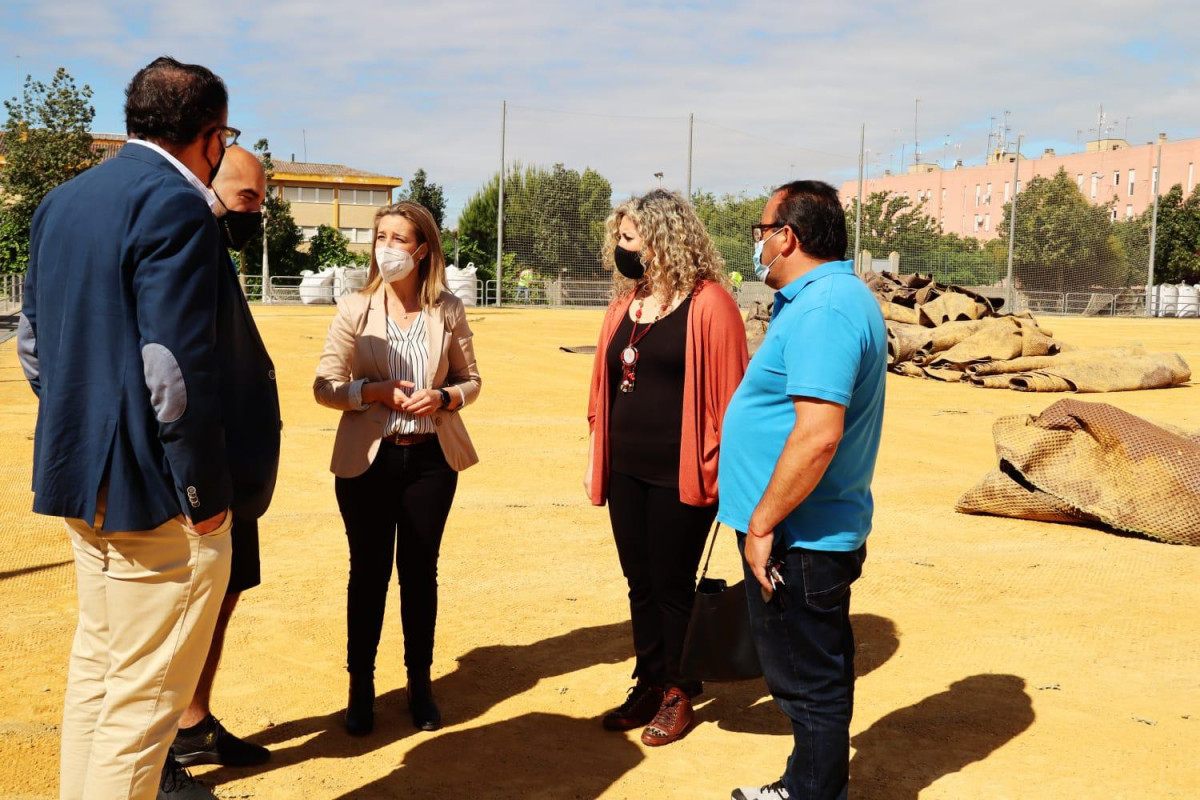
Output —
<point x="969" y="201"/>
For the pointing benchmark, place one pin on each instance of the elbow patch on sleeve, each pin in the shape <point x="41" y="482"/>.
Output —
<point x="164" y="379"/>
<point x="27" y="349"/>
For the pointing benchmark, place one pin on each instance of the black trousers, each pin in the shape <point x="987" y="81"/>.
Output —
<point x="399" y="505"/>
<point x="659" y="541"/>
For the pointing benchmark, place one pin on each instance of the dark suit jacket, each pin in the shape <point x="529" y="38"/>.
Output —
<point x="249" y="399"/>
<point x="119" y="339"/>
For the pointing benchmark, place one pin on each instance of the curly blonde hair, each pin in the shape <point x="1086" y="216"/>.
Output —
<point x="676" y="249"/>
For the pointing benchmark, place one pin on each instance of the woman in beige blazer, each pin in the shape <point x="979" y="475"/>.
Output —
<point x="399" y="365"/>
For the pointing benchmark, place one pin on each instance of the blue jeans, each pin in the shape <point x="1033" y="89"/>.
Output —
<point x="806" y="648"/>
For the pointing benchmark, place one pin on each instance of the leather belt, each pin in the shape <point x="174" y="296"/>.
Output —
<point x="409" y="439"/>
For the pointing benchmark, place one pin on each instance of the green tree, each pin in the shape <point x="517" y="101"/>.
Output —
<point x="283" y="236"/>
<point x="728" y="219"/>
<point x="1177" y="248"/>
<point x="47" y="142"/>
<point x="328" y="249"/>
<point x="891" y="222"/>
<point x="477" y="229"/>
<point x="553" y="222"/>
<point x="422" y="190"/>
<point x="1062" y="242"/>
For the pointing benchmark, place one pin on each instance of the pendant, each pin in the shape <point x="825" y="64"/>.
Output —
<point x="629" y="358"/>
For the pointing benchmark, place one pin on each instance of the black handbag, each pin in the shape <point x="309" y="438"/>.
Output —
<point x="718" y="645"/>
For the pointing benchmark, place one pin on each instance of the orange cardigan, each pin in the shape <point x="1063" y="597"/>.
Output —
<point x="714" y="362"/>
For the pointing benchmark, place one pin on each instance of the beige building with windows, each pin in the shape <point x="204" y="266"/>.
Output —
<point x="320" y="194"/>
<point x="334" y="195"/>
<point x="969" y="201"/>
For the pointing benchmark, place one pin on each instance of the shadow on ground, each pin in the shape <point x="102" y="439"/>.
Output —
<point x="484" y="677"/>
<point x="531" y="756"/>
<point x="16" y="573"/>
<point x="909" y="749"/>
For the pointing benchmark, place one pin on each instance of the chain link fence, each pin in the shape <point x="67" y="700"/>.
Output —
<point x="1067" y="255"/>
<point x="564" y="173"/>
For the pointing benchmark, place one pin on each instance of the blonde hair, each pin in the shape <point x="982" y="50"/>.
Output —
<point x="676" y="250"/>
<point x="431" y="267"/>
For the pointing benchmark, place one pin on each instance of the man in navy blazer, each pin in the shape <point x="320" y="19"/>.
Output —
<point x="118" y="338"/>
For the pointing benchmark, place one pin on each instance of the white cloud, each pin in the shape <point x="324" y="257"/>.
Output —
<point x="406" y="85"/>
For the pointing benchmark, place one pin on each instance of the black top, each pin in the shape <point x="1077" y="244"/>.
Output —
<point x="645" y="425"/>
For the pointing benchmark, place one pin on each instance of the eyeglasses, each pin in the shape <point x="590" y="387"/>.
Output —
<point x="229" y="136"/>
<point x="756" y="230"/>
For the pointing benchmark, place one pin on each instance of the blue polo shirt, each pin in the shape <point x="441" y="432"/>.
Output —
<point x="826" y="340"/>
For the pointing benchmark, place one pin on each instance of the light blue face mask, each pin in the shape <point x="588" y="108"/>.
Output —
<point x="761" y="269"/>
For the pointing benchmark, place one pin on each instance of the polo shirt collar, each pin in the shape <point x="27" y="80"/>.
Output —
<point x="794" y="288"/>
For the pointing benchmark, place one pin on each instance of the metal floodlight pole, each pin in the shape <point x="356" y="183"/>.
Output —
<point x="691" y="131"/>
<point x="1150" y="310"/>
<point x="500" y="207"/>
<point x="1009" y="292"/>
<point x="862" y="141"/>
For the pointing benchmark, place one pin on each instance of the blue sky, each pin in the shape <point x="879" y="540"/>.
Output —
<point x="778" y="90"/>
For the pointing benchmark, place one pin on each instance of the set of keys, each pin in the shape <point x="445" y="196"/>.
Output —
<point x="775" y="577"/>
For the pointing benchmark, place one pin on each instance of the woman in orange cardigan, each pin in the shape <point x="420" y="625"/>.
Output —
<point x="672" y="351"/>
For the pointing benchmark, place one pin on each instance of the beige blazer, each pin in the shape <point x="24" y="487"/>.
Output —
<point x="357" y="348"/>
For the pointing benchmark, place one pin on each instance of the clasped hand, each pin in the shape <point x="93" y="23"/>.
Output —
<point x="399" y="395"/>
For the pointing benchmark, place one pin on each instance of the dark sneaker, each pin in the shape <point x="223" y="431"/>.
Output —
<point x="178" y="784"/>
<point x="207" y="742"/>
<point x="673" y="719"/>
<point x="772" y="791"/>
<point x="639" y="708"/>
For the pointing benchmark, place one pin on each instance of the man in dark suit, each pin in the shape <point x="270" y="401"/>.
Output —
<point x="118" y="338"/>
<point x="250" y="404"/>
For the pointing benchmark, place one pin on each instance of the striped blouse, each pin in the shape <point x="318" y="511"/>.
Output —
<point x="408" y="360"/>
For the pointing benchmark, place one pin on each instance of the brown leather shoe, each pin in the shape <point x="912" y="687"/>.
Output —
<point x="673" y="719"/>
<point x="638" y="709"/>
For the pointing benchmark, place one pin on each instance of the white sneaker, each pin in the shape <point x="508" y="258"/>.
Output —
<point x="772" y="791"/>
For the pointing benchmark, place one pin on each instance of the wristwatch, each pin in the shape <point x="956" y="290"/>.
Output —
<point x="445" y="398"/>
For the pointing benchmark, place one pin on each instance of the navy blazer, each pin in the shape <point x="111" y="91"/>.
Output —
<point x="119" y="340"/>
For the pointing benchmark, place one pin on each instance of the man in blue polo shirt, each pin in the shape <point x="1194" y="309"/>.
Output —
<point x="798" y="452"/>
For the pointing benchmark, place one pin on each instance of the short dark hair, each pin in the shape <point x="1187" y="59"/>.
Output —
<point x="814" y="213"/>
<point x="173" y="102"/>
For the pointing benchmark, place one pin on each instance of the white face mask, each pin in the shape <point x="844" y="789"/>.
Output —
<point x="394" y="264"/>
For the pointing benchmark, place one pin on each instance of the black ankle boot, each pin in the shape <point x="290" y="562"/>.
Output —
<point x="360" y="710"/>
<point x="424" y="710"/>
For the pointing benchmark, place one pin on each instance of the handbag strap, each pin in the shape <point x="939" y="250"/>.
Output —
<point x="712" y="544"/>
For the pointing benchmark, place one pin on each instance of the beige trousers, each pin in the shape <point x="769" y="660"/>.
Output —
<point x="148" y="603"/>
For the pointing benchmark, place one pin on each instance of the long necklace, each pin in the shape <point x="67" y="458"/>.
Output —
<point x="629" y="355"/>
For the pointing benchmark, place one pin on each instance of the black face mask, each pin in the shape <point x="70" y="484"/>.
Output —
<point x="629" y="263"/>
<point x="238" y="227"/>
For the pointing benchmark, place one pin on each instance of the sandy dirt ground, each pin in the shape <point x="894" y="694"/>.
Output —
<point x="998" y="658"/>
